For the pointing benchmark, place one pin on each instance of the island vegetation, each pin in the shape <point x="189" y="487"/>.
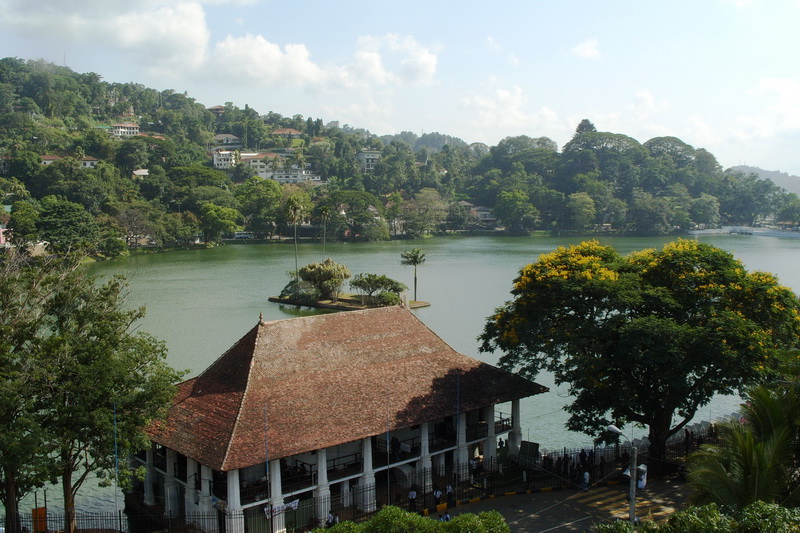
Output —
<point x="320" y="285"/>
<point x="118" y="166"/>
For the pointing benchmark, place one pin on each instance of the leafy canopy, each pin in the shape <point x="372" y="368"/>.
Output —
<point x="643" y="337"/>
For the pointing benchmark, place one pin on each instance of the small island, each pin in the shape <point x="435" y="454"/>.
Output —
<point x="320" y="285"/>
<point x="345" y="302"/>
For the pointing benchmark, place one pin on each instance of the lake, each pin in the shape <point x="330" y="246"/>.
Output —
<point x="202" y="301"/>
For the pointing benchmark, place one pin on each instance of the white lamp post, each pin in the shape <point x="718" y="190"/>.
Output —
<point x="614" y="429"/>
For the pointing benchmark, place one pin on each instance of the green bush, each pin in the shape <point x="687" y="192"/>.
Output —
<point x="301" y="291"/>
<point x="387" y="298"/>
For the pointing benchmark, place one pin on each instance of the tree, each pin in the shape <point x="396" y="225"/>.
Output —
<point x="425" y="213"/>
<point x="295" y="211"/>
<point x="261" y="201"/>
<point x="581" y="210"/>
<point x="756" y="459"/>
<point x="24" y="218"/>
<point x="515" y="210"/>
<point x="705" y="210"/>
<point x="646" y="337"/>
<point x="585" y="126"/>
<point x="216" y="220"/>
<point x="74" y="370"/>
<point x="66" y="225"/>
<point x="415" y="258"/>
<point x="327" y="276"/>
<point x="369" y="284"/>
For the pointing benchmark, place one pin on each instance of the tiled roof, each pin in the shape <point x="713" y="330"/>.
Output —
<point x="324" y="380"/>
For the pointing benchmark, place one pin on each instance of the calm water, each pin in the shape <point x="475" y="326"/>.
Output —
<point x="201" y="302"/>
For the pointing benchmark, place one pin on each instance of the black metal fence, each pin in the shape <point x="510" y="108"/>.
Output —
<point x="424" y="491"/>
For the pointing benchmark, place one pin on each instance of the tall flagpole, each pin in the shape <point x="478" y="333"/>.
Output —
<point x="116" y="462"/>
<point x="388" y="457"/>
<point x="269" y="478"/>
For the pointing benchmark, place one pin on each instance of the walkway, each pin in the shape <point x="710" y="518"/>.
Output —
<point x="568" y="510"/>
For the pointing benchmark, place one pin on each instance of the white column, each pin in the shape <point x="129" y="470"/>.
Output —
<point x="235" y="514"/>
<point x="170" y="486"/>
<point x="515" y="436"/>
<point x="206" y="507"/>
<point x="322" y="493"/>
<point x="462" y="452"/>
<point x="276" y="495"/>
<point x="425" y="457"/>
<point x="150" y="477"/>
<point x="366" y="485"/>
<point x="347" y="496"/>
<point x="490" y="449"/>
<point x="191" y="496"/>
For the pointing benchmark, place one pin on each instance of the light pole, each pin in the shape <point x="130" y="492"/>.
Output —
<point x="614" y="429"/>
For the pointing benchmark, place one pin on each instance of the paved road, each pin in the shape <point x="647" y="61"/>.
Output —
<point x="570" y="510"/>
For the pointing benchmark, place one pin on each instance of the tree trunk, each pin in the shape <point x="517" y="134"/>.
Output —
<point x="10" y="502"/>
<point x="659" y="432"/>
<point x="69" y="501"/>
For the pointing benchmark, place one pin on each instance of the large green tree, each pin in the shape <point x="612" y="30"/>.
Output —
<point x="66" y="225"/>
<point x="79" y="385"/>
<point x="647" y="338"/>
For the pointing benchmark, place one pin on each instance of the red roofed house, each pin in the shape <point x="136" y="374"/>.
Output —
<point x="288" y="133"/>
<point x="303" y="409"/>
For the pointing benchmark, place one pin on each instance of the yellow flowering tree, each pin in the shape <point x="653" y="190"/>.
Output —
<point x="644" y="338"/>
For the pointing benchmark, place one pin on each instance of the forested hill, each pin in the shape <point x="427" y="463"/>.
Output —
<point x="115" y="164"/>
<point x="781" y="179"/>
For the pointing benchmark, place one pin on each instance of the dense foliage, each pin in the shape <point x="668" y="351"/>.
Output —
<point x="599" y="181"/>
<point x="756" y="458"/>
<point x="78" y="383"/>
<point x="758" y="517"/>
<point x="392" y="519"/>
<point x="646" y="338"/>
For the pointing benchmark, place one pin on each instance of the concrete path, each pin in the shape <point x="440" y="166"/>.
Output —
<point x="572" y="510"/>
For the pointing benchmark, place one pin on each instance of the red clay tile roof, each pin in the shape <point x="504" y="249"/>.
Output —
<point x="323" y="380"/>
<point x="287" y="131"/>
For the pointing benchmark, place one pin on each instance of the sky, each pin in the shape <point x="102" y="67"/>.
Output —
<point x="723" y="75"/>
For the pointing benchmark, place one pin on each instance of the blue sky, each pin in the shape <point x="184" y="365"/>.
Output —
<point x="723" y="75"/>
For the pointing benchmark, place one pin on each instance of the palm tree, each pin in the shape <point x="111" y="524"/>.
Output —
<point x="325" y="215"/>
<point x="294" y="214"/>
<point x="755" y="460"/>
<point x="414" y="258"/>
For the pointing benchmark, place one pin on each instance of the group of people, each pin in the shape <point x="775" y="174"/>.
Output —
<point x="449" y="494"/>
<point x="575" y="469"/>
<point x="332" y="520"/>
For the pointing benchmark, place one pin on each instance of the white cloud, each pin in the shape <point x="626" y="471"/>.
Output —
<point x="172" y="40"/>
<point x="644" y="104"/>
<point x="367" y="113"/>
<point x="588" y="49"/>
<point x="703" y="134"/>
<point x="408" y="61"/>
<point x="166" y="37"/>
<point x="504" y="112"/>
<point x="781" y="114"/>
<point x="492" y="45"/>
<point x="253" y="59"/>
